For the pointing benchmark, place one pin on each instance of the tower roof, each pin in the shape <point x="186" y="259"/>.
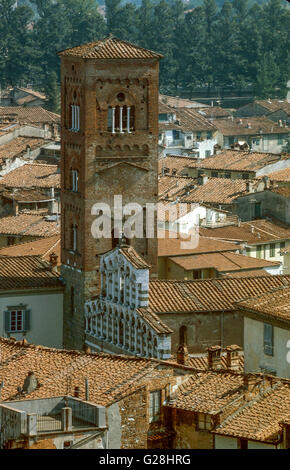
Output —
<point x="110" y="48"/>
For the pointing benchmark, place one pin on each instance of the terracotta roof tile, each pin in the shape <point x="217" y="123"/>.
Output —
<point x="239" y="160"/>
<point x="177" y="102"/>
<point x="240" y="126"/>
<point x="18" y="146"/>
<point x="42" y="247"/>
<point x="280" y="175"/>
<point x="173" y="162"/>
<point x="253" y="232"/>
<point x="32" y="175"/>
<point x="28" y="225"/>
<point x="208" y="295"/>
<point x="110" y="48"/>
<point x="260" y="418"/>
<point x="217" y="191"/>
<point x="133" y="257"/>
<point x="27" y="115"/>
<point x="154" y="321"/>
<point x="173" y="186"/>
<point x="187" y="119"/>
<point x="274" y="105"/>
<point x="275" y="303"/>
<point x="26" y="272"/>
<point x="222" y="262"/>
<point x="172" y="246"/>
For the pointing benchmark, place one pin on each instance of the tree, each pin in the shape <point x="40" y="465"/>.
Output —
<point x="53" y="93"/>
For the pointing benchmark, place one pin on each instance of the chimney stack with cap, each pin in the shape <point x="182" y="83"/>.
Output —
<point x="233" y="357"/>
<point x="182" y="352"/>
<point x="214" y="357"/>
<point x="30" y="383"/>
<point x="53" y="261"/>
<point x="202" y="179"/>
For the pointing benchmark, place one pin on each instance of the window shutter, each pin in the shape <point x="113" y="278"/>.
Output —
<point x="7" y="320"/>
<point x="27" y="315"/>
<point x="268" y="338"/>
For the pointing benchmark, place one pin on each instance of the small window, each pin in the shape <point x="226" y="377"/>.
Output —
<point x="245" y="176"/>
<point x="72" y="300"/>
<point x="155" y="406"/>
<point x="203" y="421"/>
<point x="10" y="241"/>
<point x="214" y="174"/>
<point x="198" y="135"/>
<point x="242" y="444"/>
<point x="74" y="237"/>
<point x="259" y="251"/>
<point x="280" y="139"/>
<point x="75" y="180"/>
<point x="227" y="174"/>
<point x="272" y="250"/>
<point x="268" y="339"/>
<point x="17" y="320"/>
<point x="207" y="153"/>
<point x="75" y="118"/>
<point x="208" y="135"/>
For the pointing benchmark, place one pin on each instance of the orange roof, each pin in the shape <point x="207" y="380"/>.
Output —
<point x="275" y="304"/>
<point x="42" y="247"/>
<point x="240" y="126"/>
<point x="208" y="295"/>
<point x="253" y="232"/>
<point x="260" y="419"/>
<point x="214" y="111"/>
<point x="172" y="246"/>
<point x="110" y="48"/>
<point x="28" y="225"/>
<point x="188" y="119"/>
<point x="217" y="191"/>
<point x="18" y="146"/>
<point x="177" y="102"/>
<point x="173" y="162"/>
<point x="238" y="160"/>
<point x="59" y="371"/>
<point x="26" y="272"/>
<point x="274" y="105"/>
<point x="32" y="175"/>
<point x="133" y="257"/>
<point x="28" y="115"/>
<point x="222" y="262"/>
<point x="280" y="175"/>
<point x="170" y="186"/>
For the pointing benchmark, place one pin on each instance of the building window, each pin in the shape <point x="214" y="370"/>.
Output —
<point x="207" y="153"/>
<point x="268" y="339"/>
<point x="245" y="176"/>
<point x="208" y="135"/>
<point x="203" y="421"/>
<point x="75" y="118"/>
<point x="74" y="237"/>
<point x="214" y="174"/>
<point x="121" y="119"/>
<point x="272" y="250"/>
<point x="74" y="180"/>
<point x="259" y="251"/>
<point x="242" y="444"/>
<point x="17" y="320"/>
<point x="155" y="406"/>
<point x="282" y="245"/>
<point x="280" y="139"/>
<point x="227" y="174"/>
<point x="10" y="241"/>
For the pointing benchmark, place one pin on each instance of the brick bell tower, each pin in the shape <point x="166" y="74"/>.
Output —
<point x="109" y="95"/>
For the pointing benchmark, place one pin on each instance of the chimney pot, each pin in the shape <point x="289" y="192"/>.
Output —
<point x="30" y="383"/>
<point x="214" y="357"/>
<point x="233" y="357"/>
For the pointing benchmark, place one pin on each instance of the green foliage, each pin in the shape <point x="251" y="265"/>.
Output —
<point x="52" y="92"/>
<point x="224" y="44"/>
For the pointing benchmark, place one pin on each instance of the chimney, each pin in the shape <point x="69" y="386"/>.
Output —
<point x="266" y="182"/>
<point x="250" y="186"/>
<point x="182" y="351"/>
<point x="202" y="179"/>
<point x="280" y="123"/>
<point x="30" y="383"/>
<point x="233" y="357"/>
<point x="77" y="392"/>
<point x="87" y="349"/>
<point x="252" y="384"/>
<point x="214" y="357"/>
<point x="53" y="261"/>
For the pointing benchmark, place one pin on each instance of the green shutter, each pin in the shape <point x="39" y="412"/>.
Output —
<point x="27" y="315"/>
<point x="7" y="320"/>
<point x="268" y="339"/>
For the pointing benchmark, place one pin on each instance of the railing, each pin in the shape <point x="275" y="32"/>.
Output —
<point x="49" y="423"/>
<point x="230" y="220"/>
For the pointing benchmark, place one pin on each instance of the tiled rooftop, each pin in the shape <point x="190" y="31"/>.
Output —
<point x="18" y="146"/>
<point x="25" y="195"/>
<point x="188" y="119"/>
<point x="208" y="295"/>
<point x="28" y="225"/>
<point x="260" y="418"/>
<point x="248" y="126"/>
<point x="238" y="160"/>
<point x="253" y="232"/>
<point x="133" y="257"/>
<point x="172" y="246"/>
<point x="26" y="272"/>
<point x="59" y="371"/>
<point x="27" y="115"/>
<point x="214" y="112"/>
<point x="222" y="262"/>
<point x="280" y="175"/>
<point x="275" y="304"/>
<point x="177" y="102"/>
<point x="42" y="247"/>
<point x="217" y="191"/>
<point x="32" y="175"/>
<point x="171" y="186"/>
<point x="175" y="162"/>
<point x="110" y="48"/>
<point x="273" y="105"/>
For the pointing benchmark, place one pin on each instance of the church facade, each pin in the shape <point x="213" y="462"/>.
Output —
<point x="119" y="320"/>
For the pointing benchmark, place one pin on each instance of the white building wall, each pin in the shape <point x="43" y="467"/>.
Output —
<point x="46" y="320"/>
<point x="255" y="358"/>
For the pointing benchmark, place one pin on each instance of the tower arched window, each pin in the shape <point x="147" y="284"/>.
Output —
<point x="74" y="117"/>
<point x="121" y="119"/>
<point x="74" y="237"/>
<point x="74" y="180"/>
